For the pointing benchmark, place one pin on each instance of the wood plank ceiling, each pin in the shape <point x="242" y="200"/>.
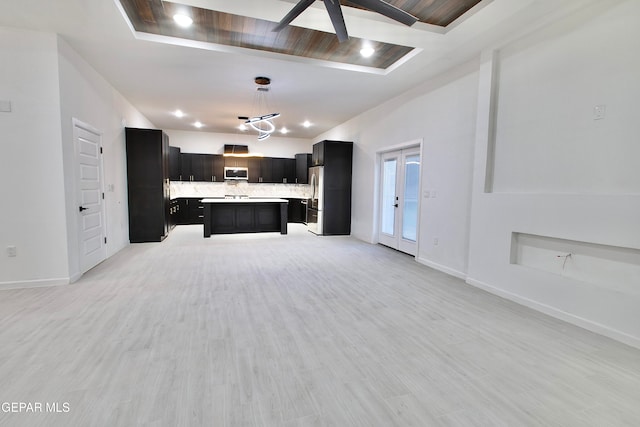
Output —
<point x="155" y="17"/>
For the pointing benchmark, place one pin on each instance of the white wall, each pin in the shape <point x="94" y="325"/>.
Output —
<point x="48" y="85"/>
<point x="88" y="97"/>
<point x="549" y="84"/>
<point x="213" y="143"/>
<point x="32" y="217"/>
<point x="441" y="113"/>
<point x="522" y="120"/>
<point x="557" y="172"/>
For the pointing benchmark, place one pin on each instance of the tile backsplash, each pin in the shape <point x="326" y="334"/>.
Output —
<point x="220" y="189"/>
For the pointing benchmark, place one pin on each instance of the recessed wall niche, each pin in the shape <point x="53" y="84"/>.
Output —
<point x="610" y="267"/>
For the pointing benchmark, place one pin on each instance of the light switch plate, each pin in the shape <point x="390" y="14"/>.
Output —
<point x="5" y="106"/>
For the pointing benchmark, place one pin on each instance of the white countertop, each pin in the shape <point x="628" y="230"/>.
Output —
<point x="255" y="200"/>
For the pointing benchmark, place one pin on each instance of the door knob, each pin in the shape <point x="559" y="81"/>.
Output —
<point x="395" y="205"/>
<point x="82" y="209"/>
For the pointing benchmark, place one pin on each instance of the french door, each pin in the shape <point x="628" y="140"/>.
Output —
<point x="399" y="199"/>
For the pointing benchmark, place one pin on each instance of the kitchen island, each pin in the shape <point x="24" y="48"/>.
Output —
<point x="229" y="216"/>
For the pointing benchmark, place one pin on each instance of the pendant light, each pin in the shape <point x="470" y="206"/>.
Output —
<point x="261" y="121"/>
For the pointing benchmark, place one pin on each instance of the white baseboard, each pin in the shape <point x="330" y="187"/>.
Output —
<point x="25" y="284"/>
<point x="443" y="268"/>
<point x="559" y="314"/>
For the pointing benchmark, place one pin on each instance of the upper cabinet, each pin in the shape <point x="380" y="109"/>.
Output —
<point x="303" y="162"/>
<point x="283" y="171"/>
<point x="200" y="167"/>
<point x="175" y="164"/>
<point x="210" y="167"/>
<point x="266" y="169"/>
<point x="217" y="174"/>
<point x="317" y="158"/>
<point x="255" y="171"/>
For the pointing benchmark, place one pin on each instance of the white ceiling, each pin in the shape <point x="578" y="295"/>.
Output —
<point x="214" y="84"/>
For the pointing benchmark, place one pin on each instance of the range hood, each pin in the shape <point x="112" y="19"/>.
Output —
<point x="231" y="150"/>
<point x="236" y="150"/>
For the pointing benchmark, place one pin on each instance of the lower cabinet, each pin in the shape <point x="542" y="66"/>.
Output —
<point x="245" y="217"/>
<point x="185" y="211"/>
<point x="297" y="211"/>
<point x="190" y="211"/>
<point x="174" y="212"/>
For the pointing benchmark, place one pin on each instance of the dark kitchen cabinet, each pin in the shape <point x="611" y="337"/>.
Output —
<point x="202" y="167"/>
<point x="253" y="164"/>
<point x="303" y="162"/>
<point x="191" y="211"/>
<point x="297" y="210"/>
<point x="181" y="211"/>
<point x="337" y="159"/>
<point x="174" y="213"/>
<point x="266" y="170"/>
<point x="197" y="167"/>
<point x="217" y="173"/>
<point x="185" y="167"/>
<point x="317" y="156"/>
<point x="175" y="164"/>
<point x="277" y="170"/>
<point x="195" y="211"/>
<point x="283" y="170"/>
<point x="148" y="184"/>
<point x="289" y="176"/>
<point x="193" y="166"/>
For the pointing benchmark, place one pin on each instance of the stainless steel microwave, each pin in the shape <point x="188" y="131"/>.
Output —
<point x="236" y="173"/>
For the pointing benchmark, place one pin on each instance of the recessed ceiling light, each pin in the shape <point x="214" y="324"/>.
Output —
<point x="306" y="124"/>
<point x="242" y="127"/>
<point x="367" y="51"/>
<point x="182" y="20"/>
<point x="284" y="130"/>
<point x="178" y="113"/>
<point x="198" y="125"/>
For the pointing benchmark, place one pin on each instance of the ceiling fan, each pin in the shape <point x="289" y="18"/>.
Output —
<point x="335" y="13"/>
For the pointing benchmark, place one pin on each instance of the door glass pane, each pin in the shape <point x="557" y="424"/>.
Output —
<point x="410" y="211"/>
<point x="389" y="196"/>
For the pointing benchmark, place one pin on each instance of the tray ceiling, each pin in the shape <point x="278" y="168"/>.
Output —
<point x="220" y="28"/>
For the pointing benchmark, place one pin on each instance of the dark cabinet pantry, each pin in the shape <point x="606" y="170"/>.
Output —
<point x="335" y="158"/>
<point x="148" y="184"/>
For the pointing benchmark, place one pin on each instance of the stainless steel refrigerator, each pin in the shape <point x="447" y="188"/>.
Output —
<point x="315" y="205"/>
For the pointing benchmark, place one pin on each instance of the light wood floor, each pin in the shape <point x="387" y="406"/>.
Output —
<point x="298" y="330"/>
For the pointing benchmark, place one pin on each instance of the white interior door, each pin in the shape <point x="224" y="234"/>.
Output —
<point x="91" y="224"/>
<point x="399" y="199"/>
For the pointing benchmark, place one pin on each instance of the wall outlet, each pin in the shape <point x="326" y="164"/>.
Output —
<point x="599" y="112"/>
<point x="435" y="242"/>
<point x="12" y="251"/>
<point x="5" y="106"/>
